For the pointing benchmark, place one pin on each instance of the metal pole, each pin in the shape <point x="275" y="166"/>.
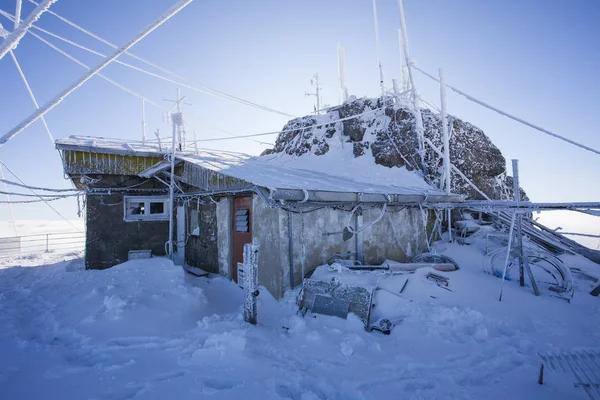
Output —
<point x="47" y="240"/>
<point x="59" y="98"/>
<point x="412" y="83"/>
<point x="517" y="197"/>
<point x="195" y="142"/>
<point x="318" y="94"/>
<point x="143" y="120"/>
<point x="17" y="14"/>
<point x="13" y="39"/>
<point x="378" y="52"/>
<point x="172" y="191"/>
<point x="523" y="261"/>
<point x="446" y="138"/>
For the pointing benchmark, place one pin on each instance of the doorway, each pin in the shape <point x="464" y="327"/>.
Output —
<point x="242" y="230"/>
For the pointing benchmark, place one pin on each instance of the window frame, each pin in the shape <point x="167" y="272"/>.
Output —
<point x="127" y="200"/>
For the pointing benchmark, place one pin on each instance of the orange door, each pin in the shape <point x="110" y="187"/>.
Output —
<point x="242" y="230"/>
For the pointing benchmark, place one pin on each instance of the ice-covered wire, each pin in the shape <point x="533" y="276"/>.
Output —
<point x="75" y="60"/>
<point x="196" y="86"/>
<point x="358" y="230"/>
<point x="77" y="84"/>
<point x="35" y="103"/>
<point x="12" y="40"/>
<point x="292" y="130"/>
<point x="529" y="124"/>
<point x="41" y="198"/>
<point x="37" y="188"/>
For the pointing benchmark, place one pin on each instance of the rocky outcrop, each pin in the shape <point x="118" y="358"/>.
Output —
<point x="388" y="134"/>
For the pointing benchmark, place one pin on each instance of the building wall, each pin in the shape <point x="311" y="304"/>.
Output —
<point x="202" y="251"/>
<point x="109" y="238"/>
<point x="399" y="235"/>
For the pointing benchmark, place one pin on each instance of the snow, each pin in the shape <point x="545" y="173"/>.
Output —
<point x="147" y="330"/>
<point x="359" y="175"/>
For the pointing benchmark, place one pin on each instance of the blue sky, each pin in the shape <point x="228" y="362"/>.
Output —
<point x="536" y="59"/>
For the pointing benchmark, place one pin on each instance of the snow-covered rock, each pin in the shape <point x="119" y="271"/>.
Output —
<point x="382" y="132"/>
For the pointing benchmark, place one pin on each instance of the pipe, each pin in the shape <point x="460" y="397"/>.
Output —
<point x="446" y="138"/>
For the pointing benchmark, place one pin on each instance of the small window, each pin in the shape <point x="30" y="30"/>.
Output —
<point x="157" y="208"/>
<point x="140" y="208"/>
<point x="241" y="220"/>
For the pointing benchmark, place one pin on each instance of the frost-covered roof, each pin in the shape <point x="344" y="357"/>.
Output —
<point x="336" y="171"/>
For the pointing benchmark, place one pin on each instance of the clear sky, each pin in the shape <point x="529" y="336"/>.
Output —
<point x="536" y="59"/>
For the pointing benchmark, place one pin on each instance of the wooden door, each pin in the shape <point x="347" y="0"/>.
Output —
<point x="242" y="230"/>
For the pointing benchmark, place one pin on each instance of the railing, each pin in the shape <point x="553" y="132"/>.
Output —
<point x="43" y="242"/>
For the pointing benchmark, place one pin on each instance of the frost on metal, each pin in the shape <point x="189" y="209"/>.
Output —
<point x="250" y="282"/>
<point x="358" y="298"/>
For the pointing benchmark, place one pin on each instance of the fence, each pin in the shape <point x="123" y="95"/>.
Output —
<point x="43" y="242"/>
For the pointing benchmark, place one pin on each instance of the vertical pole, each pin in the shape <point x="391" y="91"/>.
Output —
<point x="172" y="191"/>
<point x="343" y="91"/>
<point x="395" y="87"/>
<point x="143" y="120"/>
<point x="517" y="197"/>
<point x="12" y="216"/>
<point x="523" y="261"/>
<point x="18" y="14"/>
<point x="378" y="52"/>
<point x="157" y="133"/>
<point x="291" y="246"/>
<point x="179" y="110"/>
<point x="47" y="242"/>
<point x="318" y="94"/>
<point x="446" y="138"/>
<point x="412" y="84"/>
<point x="195" y="142"/>
<point x="250" y="282"/>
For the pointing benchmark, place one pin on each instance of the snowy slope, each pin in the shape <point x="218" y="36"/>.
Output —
<point x="145" y="330"/>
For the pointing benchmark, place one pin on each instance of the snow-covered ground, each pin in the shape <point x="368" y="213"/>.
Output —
<point x="147" y="330"/>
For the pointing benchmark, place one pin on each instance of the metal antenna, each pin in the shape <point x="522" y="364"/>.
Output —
<point x="378" y="53"/>
<point x="315" y="82"/>
<point x="343" y="90"/>
<point x="143" y="120"/>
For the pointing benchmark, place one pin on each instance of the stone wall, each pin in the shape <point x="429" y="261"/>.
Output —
<point x="108" y="237"/>
<point x="201" y="251"/>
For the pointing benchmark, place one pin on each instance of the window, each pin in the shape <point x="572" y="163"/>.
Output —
<point x="241" y="220"/>
<point x="146" y="208"/>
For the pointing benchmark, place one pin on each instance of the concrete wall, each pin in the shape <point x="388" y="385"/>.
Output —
<point x="202" y="251"/>
<point x="399" y="235"/>
<point x="109" y="238"/>
<point x="224" y="210"/>
<point x="269" y="232"/>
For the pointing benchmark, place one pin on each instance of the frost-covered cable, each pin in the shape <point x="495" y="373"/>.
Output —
<point x="35" y="103"/>
<point x="58" y="99"/>
<point x="198" y="86"/>
<point x="12" y="40"/>
<point x="75" y="60"/>
<point x="38" y="195"/>
<point x="292" y="130"/>
<point x="41" y="198"/>
<point x="5" y="181"/>
<point x="365" y="227"/>
<point x="529" y="124"/>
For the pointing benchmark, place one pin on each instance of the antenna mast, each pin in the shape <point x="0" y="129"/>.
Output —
<point x="343" y="90"/>
<point x="315" y="82"/>
<point x="378" y="53"/>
